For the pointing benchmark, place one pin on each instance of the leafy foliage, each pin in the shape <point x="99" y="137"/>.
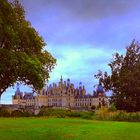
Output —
<point x="4" y="112"/>
<point x="124" y="80"/>
<point x="22" y="55"/>
<point x="112" y="108"/>
<point x="62" y="113"/>
<point x="110" y="114"/>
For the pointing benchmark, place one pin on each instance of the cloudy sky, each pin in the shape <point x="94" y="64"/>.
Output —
<point x="82" y="35"/>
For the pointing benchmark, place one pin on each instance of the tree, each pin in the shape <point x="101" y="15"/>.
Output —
<point x="124" y="80"/>
<point x="22" y="54"/>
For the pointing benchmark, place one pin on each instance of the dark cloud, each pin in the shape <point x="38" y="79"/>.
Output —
<point x="82" y="9"/>
<point x="80" y="21"/>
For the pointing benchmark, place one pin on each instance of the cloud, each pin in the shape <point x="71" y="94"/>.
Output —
<point x="79" y="63"/>
<point x="98" y="22"/>
<point x="81" y="9"/>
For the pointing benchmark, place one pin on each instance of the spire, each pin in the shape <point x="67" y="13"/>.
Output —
<point x="100" y="88"/>
<point x="80" y="84"/>
<point x="68" y="82"/>
<point x="61" y="78"/>
<point x="17" y="86"/>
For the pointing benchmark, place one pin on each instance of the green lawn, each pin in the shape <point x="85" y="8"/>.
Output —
<point x="75" y="129"/>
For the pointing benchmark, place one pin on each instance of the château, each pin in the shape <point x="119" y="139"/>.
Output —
<point x="63" y="95"/>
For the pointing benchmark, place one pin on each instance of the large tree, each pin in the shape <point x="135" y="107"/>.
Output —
<point x="22" y="54"/>
<point x="124" y="80"/>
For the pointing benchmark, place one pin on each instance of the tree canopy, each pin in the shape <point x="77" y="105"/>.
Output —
<point x="22" y="54"/>
<point x="124" y="80"/>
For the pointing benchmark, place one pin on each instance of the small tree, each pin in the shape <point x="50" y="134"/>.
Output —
<point x="124" y="80"/>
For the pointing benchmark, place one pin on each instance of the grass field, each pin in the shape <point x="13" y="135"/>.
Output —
<point x="75" y="129"/>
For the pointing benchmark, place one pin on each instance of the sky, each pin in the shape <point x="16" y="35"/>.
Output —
<point x="82" y="35"/>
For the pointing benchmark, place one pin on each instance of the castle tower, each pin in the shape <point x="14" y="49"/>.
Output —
<point x="100" y="90"/>
<point x="80" y="88"/>
<point x="68" y="82"/>
<point x="80" y="84"/>
<point x="60" y="82"/>
<point x="18" y="94"/>
<point x="18" y="89"/>
<point x="76" y="92"/>
<point x="83" y="90"/>
<point x="43" y="92"/>
<point x="65" y="83"/>
<point x="101" y="95"/>
<point x="61" y="79"/>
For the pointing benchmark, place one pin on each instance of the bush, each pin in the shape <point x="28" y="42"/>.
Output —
<point x="4" y="112"/>
<point x="106" y="114"/>
<point x="93" y="107"/>
<point x="112" y="108"/>
<point x="75" y="114"/>
<point x="53" y="112"/>
<point x="101" y="113"/>
<point x="62" y="113"/>
<point x="17" y="113"/>
<point x="88" y="115"/>
<point x="123" y="116"/>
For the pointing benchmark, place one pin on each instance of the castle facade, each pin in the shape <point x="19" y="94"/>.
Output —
<point x="63" y="95"/>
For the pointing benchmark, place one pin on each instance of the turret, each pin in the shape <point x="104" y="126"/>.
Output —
<point x="61" y="79"/>
<point x="68" y="82"/>
<point x="80" y="88"/>
<point x="80" y="84"/>
<point x="53" y="85"/>
<point x="43" y="92"/>
<point x="65" y="83"/>
<point x="18" y="89"/>
<point x="100" y="90"/>
<point x="83" y="90"/>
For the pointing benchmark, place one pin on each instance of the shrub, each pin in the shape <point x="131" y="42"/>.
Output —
<point x="112" y="108"/>
<point x="101" y="112"/>
<point x="75" y="114"/>
<point x="88" y="115"/>
<point x="53" y="112"/>
<point x="123" y="116"/>
<point x="93" y="107"/>
<point x="106" y="114"/>
<point x="17" y="113"/>
<point x="4" y="112"/>
<point x="62" y="113"/>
